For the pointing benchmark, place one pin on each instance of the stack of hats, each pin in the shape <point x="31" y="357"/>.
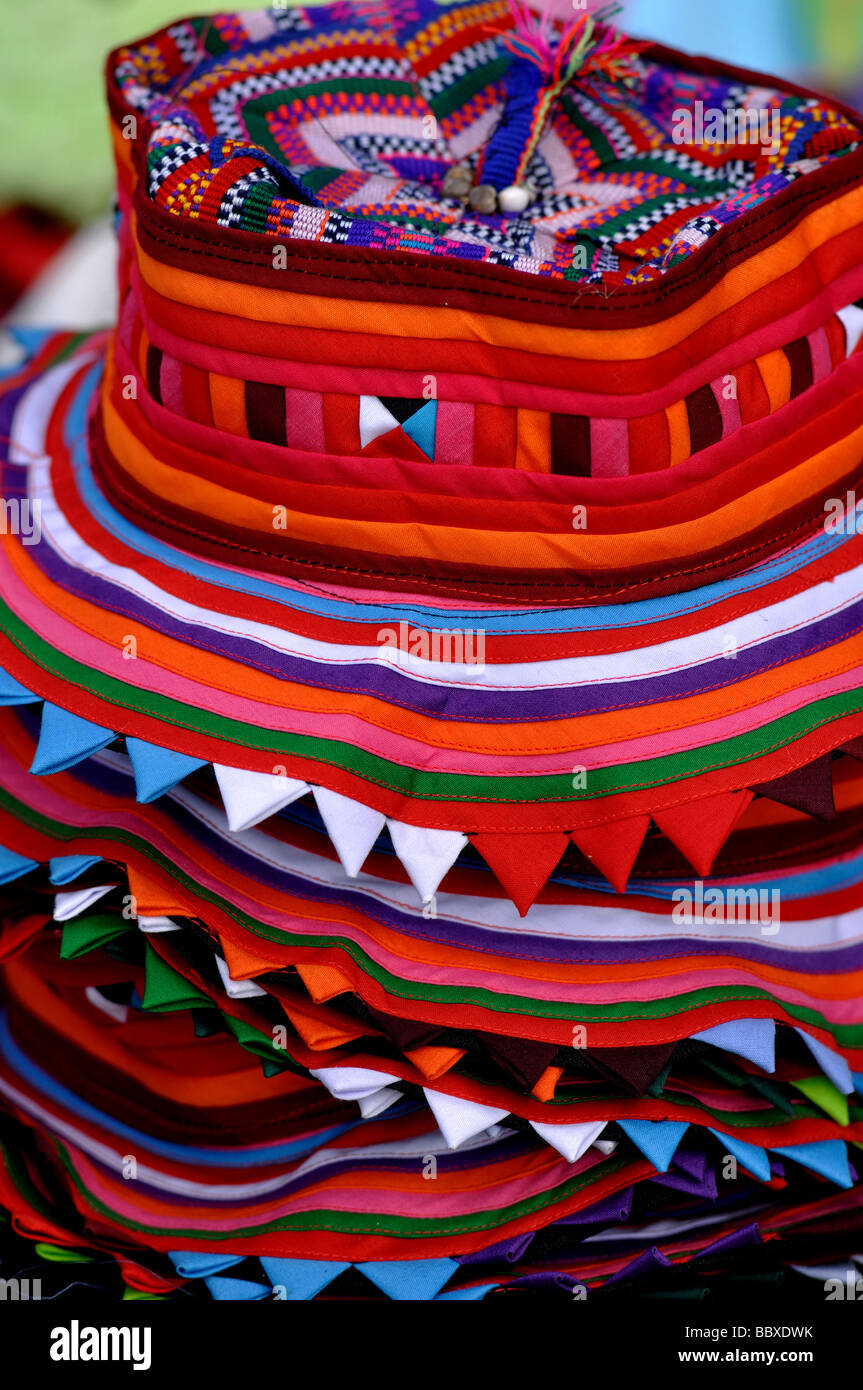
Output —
<point x="431" y="667"/>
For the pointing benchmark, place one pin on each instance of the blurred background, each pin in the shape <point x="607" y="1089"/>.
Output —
<point x="55" y="169"/>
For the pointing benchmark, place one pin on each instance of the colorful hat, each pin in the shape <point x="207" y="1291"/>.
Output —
<point x="430" y="666"/>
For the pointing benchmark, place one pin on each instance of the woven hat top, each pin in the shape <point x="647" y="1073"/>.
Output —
<point x="339" y="124"/>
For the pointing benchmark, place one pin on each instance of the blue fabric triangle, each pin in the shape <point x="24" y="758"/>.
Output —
<point x="657" y="1139"/>
<point x="156" y="769"/>
<point x="465" y="1295"/>
<point x="752" y="1038"/>
<point x="237" y="1290"/>
<point x="67" y="867"/>
<point x="409" y="1280"/>
<point x="754" y="1159"/>
<point x="301" y="1279"/>
<point x="14" y="865"/>
<point x="421" y="428"/>
<point x="11" y="693"/>
<point x="65" y="740"/>
<point x="829" y="1157"/>
<point x="199" y="1264"/>
<point x="858" y="1082"/>
<point x="832" y="1065"/>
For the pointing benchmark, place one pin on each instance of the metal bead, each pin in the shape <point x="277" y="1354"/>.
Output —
<point x="457" y="182"/>
<point x="483" y="198"/>
<point x="515" y="198"/>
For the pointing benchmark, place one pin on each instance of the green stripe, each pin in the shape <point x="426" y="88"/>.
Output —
<point x="437" y="786"/>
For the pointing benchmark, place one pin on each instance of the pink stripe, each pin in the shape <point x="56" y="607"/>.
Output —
<point x="304" y="420"/>
<point x="510" y="485"/>
<point x="454" y="433"/>
<point x="819" y="346"/>
<point x="723" y="388"/>
<point x="171" y="386"/>
<point x="609" y="448"/>
<point x="534" y="396"/>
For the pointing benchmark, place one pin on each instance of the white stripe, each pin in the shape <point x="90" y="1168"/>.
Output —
<point x="667" y="657"/>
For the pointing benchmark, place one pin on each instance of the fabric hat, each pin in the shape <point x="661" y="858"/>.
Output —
<point x="430" y="658"/>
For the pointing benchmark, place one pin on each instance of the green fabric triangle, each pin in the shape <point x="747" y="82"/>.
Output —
<point x="58" y="1255"/>
<point x="821" y="1091"/>
<point x="165" y="990"/>
<point x="83" y="934"/>
<point x="138" y="1296"/>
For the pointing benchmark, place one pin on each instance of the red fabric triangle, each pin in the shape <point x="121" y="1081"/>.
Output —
<point x="700" y="828"/>
<point x="395" y="444"/>
<point x="522" y="863"/>
<point x="613" y="848"/>
<point x="808" y="789"/>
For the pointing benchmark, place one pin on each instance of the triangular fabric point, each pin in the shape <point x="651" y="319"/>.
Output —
<point x="11" y="693"/>
<point x="829" y="1157"/>
<point x="459" y="1119"/>
<point x="65" y="739"/>
<point x="374" y="420"/>
<point x="65" y="868"/>
<point x="821" y="1091"/>
<point x="571" y="1141"/>
<point x="156" y="769"/>
<point x="832" y="1065"/>
<point x="352" y="826"/>
<point x="416" y="1280"/>
<point x="250" y="797"/>
<point x="14" y="865"/>
<point x="752" y="1038"/>
<point x="427" y="855"/>
<point x="753" y="1158"/>
<point x="657" y="1139"/>
<point x="522" y="864"/>
<point x="421" y="428"/>
<point x="237" y="1290"/>
<point x="699" y="829"/>
<point x="301" y="1279"/>
<point x="613" y="848"/>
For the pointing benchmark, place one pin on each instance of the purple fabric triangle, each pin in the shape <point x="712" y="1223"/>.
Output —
<point x="808" y="789"/>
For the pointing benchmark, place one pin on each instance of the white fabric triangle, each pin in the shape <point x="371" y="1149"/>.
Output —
<point x="157" y="924"/>
<point x="352" y="827"/>
<point x="460" y="1119"/>
<point x="237" y="989"/>
<point x="72" y="904"/>
<point x="250" y="797"/>
<point x="377" y="1102"/>
<point x="570" y="1140"/>
<point x="375" y="420"/>
<point x="426" y="854"/>
<point x="349" y="1083"/>
<point x="606" y="1146"/>
<point x="852" y="317"/>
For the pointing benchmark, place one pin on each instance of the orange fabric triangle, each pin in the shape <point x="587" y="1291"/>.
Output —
<point x="244" y="964"/>
<point x="522" y="863"/>
<point x="544" y="1088"/>
<point x="700" y="828"/>
<point x="323" y="981"/>
<point x="150" y="899"/>
<point x="613" y="849"/>
<point x="319" y="1031"/>
<point x="434" y="1061"/>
